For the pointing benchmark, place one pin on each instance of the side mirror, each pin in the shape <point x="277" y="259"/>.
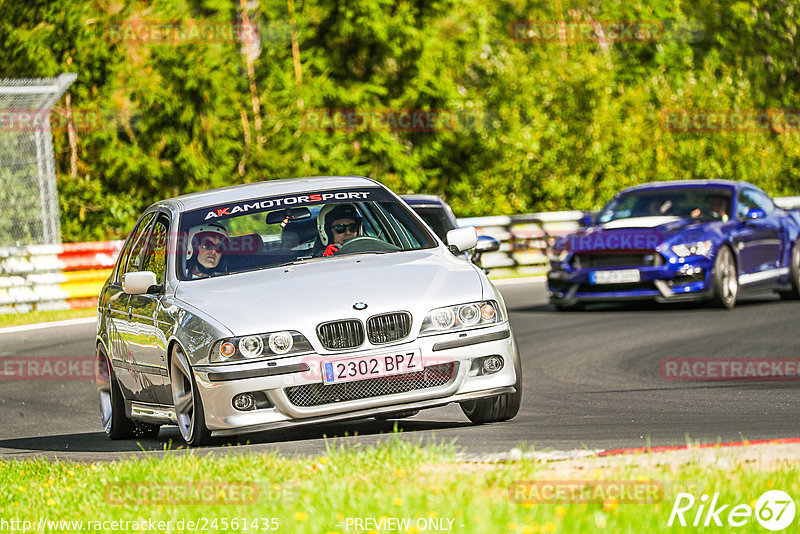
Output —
<point x="139" y="282"/>
<point x="462" y="239"/>
<point x="756" y="213"/>
<point x="487" y="244"/>
<point x="585" y="220"/>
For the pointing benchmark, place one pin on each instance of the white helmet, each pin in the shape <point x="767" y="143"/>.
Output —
<point x="205" y="228"/>
<point x="341" y="211"/>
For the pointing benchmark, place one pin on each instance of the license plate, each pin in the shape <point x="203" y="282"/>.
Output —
<point x="621" y="276"/>
<point x="376" y="366"/>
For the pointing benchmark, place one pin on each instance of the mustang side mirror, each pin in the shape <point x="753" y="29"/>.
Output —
<point x="139" y="283"/>
<point x="585" y="220"/>
<point x="756" y="213"/>
<point x="461" y="239"/>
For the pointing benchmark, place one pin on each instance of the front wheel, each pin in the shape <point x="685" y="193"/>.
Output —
<point x="794" y="276"/>
<point x="186" y="398"/>
<point x="725" y="279"/>
<point x="500" y="408"/>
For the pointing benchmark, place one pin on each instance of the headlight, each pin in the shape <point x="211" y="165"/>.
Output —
<point x="699" y="248"/>
<point x="462" y="316"/>
<point x="259" y="346"/>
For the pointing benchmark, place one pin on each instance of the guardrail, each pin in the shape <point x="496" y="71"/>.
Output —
<point x="52" y="277"/>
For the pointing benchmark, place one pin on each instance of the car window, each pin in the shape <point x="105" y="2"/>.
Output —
<point x="436" y="218"/>
<point x="745" y="203"/>
<point x="156" y="258"/>
<point x="133" y="246"/>
<point x="272" y="231"/>
<point x="696" y="203"/>
<point x="759" y="200"/>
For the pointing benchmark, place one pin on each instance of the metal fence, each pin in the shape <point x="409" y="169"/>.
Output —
<point x="27" y="166"/>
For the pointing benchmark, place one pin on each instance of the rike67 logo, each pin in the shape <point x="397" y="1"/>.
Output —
<point x="774" y="510"/>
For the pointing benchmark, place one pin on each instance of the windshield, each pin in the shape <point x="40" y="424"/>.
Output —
<point x="701" y="204"/>
<point x="267" y="232"/>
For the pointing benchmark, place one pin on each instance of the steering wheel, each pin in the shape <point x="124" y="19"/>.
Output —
<point x="365" y="244"/>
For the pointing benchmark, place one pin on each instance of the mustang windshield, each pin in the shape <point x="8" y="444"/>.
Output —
<point x="701" y="204"/>
<point x="260" y="233"/>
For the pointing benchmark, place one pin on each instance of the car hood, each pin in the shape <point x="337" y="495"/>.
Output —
<point x="641" y="233"/>
<point x="300" y="296"/>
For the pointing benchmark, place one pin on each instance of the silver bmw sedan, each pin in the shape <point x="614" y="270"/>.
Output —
<point x="299" y="301"/>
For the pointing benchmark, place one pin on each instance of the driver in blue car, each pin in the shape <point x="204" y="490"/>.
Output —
<point x="342" y="223"/>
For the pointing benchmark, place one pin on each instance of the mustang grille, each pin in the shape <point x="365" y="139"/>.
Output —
<point x="388" y="327"/>
<point x="319" y="394"/>
<point x="341" y="334"/>
<point x="583" y="261"/>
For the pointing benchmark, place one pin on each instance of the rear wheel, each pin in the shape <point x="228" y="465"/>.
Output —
<point x="112" y="406"/>
<point x="186" y="398"/>
<point x="794" y="276"/>
<point x="725" y="279"/>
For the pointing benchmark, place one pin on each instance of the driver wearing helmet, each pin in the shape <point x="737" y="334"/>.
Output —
<point x="207" y="244"/>
<point x="337" y="225"/>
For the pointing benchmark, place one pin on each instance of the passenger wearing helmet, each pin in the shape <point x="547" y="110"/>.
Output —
<point x="337" y="224"/>
<point x="207" y="246"/>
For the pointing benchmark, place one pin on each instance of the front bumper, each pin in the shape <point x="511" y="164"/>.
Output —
<point x="218" y="384"/>
<point x="679" y="279"/>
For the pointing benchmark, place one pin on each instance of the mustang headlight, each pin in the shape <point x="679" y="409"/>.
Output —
<point x="462" y="316"/>
<point x="260" y="346"/>
<point x="699" y="248"/>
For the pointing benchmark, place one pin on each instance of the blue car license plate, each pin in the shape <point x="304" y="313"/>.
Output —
<point x="619" y="276"/>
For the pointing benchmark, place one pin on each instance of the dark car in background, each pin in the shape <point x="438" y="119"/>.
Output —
<point x="680" y="240"/>
<point x="439" y="216"/>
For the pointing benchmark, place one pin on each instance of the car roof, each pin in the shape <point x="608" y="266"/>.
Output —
<point x="418" y="200"/>
<point x="267" y="188"/>
<point x="689" y="184"/>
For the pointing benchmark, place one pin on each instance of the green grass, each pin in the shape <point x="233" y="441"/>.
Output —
<point x="395" y="480"/>
<point x="16" y="319"/>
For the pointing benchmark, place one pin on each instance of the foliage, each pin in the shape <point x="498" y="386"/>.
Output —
<point x="530" y="126"/>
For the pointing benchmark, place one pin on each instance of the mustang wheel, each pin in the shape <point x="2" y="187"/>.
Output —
<point x="726" y="281"/>
<point x="188" y="406"/>
<point x="794" y="276"/>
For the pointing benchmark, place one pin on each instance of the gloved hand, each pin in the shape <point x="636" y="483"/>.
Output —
<point x="332" y="249"/>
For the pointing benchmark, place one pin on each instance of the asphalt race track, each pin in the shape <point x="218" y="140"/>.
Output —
<point x="592" y="380"/>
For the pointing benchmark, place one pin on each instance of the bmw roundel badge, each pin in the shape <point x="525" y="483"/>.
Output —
<point x="360" y="306"/>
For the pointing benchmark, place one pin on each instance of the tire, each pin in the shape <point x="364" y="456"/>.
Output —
<point x="725" y="279"/>
<point x="500" y="408"/>
<point x="112" y="405"/>
<point x="186" y="400"/>
<point x="396" y="415"/>
<point x="794" y="276"/>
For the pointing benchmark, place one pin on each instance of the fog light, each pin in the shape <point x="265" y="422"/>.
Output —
<point x="492" y="364"/>
<point x="244" y="402"/>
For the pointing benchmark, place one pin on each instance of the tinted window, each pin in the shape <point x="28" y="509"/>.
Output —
<point x="156" y="258"/>
<point x="758" y="200"/>
<point x="697" y="203"/>
<point x="131" y="253"/>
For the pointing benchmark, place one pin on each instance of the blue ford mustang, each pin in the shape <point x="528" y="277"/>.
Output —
<point x="681" y="240"/>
